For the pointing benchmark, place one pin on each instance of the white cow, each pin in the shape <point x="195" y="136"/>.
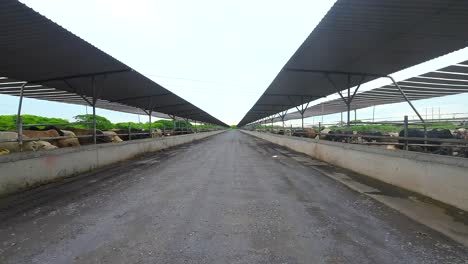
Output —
<point x="113" y="135"/>
<point x="43" y="145"/>
<point x="12" y="146"/>
<point x="156" y="133"/>
<point x="4" y="151"/>
<point x="72" y="141"/>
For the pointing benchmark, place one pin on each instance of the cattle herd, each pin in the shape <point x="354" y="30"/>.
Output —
<point x="51" y="137"/>
<point x="436" y="141"/>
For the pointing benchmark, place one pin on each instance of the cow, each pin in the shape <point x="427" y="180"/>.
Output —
<point x="100" y="137"/>
<point x="44" y="145"/>
<point x="156" y="133"/>
<point x="52" y="133"/>
<point x="70" y="141"/>
<point x="338" y="135"/>
<point x="4" y="151"/>
<point x="114" y="137"/>
<point x="461" y="133"/>
<point x="13" y="146"/>
<point x="134" y="134"/>
<point x="324" y="132"/>
<point x="434" y="133"/>
<point x="306" y="132"/>
<point x="371" y="135"/>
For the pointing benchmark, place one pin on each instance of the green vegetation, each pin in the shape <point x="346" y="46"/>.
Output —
<point x="8" y="122"/>
<point x="233" y="127"/>
<point x="102" y="123"/>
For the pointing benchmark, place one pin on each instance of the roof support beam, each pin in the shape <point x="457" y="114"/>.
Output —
<point x="350" y="97"/>
<point x="407" y="100"/>
<point x="81" y="76"/>
<point x="139" y="97"/>
<point x="336" y="72"/>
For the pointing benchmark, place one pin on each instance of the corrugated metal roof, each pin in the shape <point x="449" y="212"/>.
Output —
<point x="446" y="81"/>
<point x="40" y="92"/>
<point x="37" y="50"/>
<point x="372" y="37"/>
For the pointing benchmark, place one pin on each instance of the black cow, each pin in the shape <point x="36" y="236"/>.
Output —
<point x="372" y="133"/>
<point x="134" y="134"/>
<point x="419" y="133"/>
<point x="338" y="135"/>
<point x="35" y="128"/>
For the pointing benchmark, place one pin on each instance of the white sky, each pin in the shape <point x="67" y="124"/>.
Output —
<point x="219" y="55"/>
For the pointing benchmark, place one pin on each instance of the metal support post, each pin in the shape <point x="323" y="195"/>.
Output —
<point x="350" y="97"/>
<point x="150" y="112"/>
<point x="19" y="120"/>
<point x="302" y="111"/>
<point x="186" y="125"/>
<point x="93" y="80"/>
<point x="348" y="105"/>
<point x="405" y="129"/>
<point x="373" y="113"/>
<point x="129" y="132"/>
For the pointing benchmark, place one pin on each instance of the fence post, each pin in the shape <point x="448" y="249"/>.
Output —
<point x="129" y="132"/>
<point x="20" y="132"/>
<point x="320" y="129"/>
<point x="19" y="120"/>
<point x="149" y="116"/>
<point x="406" y="131"/>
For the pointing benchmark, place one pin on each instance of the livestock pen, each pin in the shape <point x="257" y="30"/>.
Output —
<point x="446" y="137"/>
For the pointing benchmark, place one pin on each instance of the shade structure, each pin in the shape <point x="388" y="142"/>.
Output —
<point x="37" y="50"/>
<point x="360" y="40"/>
<point x="40" y="92"/>
<point x="449" y="80"/>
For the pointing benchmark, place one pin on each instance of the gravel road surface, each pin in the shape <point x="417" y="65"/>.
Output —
<point x="230" y="198"/>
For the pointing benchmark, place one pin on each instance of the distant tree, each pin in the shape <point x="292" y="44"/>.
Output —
<point x="102" y="123"/>
<point x="8" y="122"/>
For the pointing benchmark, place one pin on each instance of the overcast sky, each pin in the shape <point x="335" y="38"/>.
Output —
<point x="219" y="55"/>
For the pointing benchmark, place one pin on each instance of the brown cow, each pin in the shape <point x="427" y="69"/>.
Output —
<point x="306" y="132"/>
<point x="52" y="133"/>
<point x="71" y="141"/>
